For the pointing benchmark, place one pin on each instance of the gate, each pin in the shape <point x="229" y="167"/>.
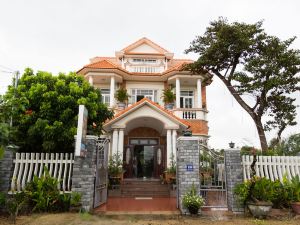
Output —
<point x="101" y="173"/>
<point x="212" y="177"/>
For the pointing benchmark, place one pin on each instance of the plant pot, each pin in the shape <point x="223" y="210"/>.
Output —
<point x="169" y="176"/>
<point x="193" y="210"/>
<point x="121" y="105"/>
<point x="260" y="209"/>
<point x="296" y="207"/>
<point x="75" y="208"/>
<point x="169" y="106"/>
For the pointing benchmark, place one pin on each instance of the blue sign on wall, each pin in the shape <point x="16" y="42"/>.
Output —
<point x="189" y="167"/>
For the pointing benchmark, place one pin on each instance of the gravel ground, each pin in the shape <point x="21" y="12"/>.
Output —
<point x="87" y="219"/>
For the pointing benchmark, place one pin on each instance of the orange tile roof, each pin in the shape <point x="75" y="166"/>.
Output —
<point x="103" y="64"/>
<point x="108" y="64"/>
<point x="184" y="122"/>
<point x="198" y="126"/>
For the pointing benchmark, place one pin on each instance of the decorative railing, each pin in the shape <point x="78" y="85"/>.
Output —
<point x="190" y="114"/>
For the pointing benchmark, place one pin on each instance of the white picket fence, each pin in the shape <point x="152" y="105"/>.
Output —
<point x="272" y="167"/>
<point x="27" y="165"/>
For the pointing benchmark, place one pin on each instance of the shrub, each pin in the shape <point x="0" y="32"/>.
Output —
<point x="44" y="194"/>
<point x="75" y="199"/>
<point x="256" y="189"/>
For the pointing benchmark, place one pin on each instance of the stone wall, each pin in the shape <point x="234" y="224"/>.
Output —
<point x="234" y="176"/>
<point x="187" y="156"/>
<point x="6" y="169"/>
<point x="84" y="174"/>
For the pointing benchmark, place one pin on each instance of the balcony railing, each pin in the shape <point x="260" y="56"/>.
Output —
<point x="190" y="114"/>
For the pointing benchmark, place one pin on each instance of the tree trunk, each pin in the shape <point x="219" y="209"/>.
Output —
<point x="249" y="110"/>
<point x="261" y="134"/>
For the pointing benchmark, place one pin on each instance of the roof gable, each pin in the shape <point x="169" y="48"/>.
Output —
<point x="151" y="104"/>
<point x="144" y="45"/>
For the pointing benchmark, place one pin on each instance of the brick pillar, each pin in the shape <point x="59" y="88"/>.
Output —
<point x="84" y="174"/>
<point x="187" y="167"/>
<point x="6" y="169"/>
<point x="234" y="176"/>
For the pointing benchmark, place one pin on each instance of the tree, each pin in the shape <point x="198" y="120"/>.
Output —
<point x="288" y="146"/>
<point x="251" y="63"/>
<point x="44" y="110"/>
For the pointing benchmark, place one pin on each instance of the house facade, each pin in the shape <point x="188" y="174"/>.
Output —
<point x="144" y="133"/>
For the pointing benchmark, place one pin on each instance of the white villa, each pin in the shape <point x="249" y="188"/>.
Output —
<point x="145" y="133"/>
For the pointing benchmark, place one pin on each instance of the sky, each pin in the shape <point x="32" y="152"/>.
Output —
<point x="62" y="35"/>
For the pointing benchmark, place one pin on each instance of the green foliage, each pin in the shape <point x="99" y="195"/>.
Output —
<point x="2" y="198"/>
<point x="289" y="146"/>
<point x="168" y="95"/>
<point x="115" y="165"/>
<point x="251" y="63"/>
<point x="44" y="194"/>
<point x="295" y="188"/>
<point x="15" y="204"/>
<point x="75" y="199"/>
<point x="44" y="109"/>
<point x="172" y="167"/>
<point x="122" y="95"/>
<point x="191" y="199"/>
<point x="255" y="189"/>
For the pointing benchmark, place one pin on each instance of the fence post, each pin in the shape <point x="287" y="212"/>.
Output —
<point x="187" y="167"/>
<point x="84" y="174"/>
<point x="6" y="169"/>
<point x="234" y="176"/>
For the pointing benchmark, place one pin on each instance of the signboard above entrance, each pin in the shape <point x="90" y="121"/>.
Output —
<point x="80" y="147"/>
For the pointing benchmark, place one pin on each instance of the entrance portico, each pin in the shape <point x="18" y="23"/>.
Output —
<point x="145" y="135"/>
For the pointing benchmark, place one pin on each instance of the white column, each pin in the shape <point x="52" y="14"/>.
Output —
<point x="91" y="80"/>
<point x="199" y="94"/>
<point x="177" y="93"/>
<point x="112" y="91"/>
<point x="121" y="142"/>
<point x="174" y="140"/>
<point x="169" y="147"/>
<point x="115" y="142"/>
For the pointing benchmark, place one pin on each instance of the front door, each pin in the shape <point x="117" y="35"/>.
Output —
<point x="143" y="159"/>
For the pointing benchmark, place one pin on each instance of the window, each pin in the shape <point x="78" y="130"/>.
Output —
<point x="186" y="99"/>
<point x="139" y="94"/>
<point x="144" y="60"/>
<point x="144" y="141"/>
<point x="105" y="93"/>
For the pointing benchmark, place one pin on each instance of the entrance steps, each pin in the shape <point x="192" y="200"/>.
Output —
<point x="144" y="188"/>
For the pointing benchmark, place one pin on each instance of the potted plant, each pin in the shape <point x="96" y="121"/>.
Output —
<point x="122" y="96"/>
<point x="115" y="170"/>
<point x="192" y="201"/>
<point x="257" y="194"/>
<point x="75" y="202"/>
<point x="294" y="185"/>
<point x="170" y="172"/>
<point x="168" y="98"/>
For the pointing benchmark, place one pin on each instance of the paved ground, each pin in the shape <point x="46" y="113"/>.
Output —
<point x="87" y="219"/>
<point x="139" y="204"/>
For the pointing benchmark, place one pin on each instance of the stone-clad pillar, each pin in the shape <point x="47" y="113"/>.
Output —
<point x="6" y="169"/>
<point x="84" y="174"/>
<point x="187" y="167"/>
<point x="234" y="176"/>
